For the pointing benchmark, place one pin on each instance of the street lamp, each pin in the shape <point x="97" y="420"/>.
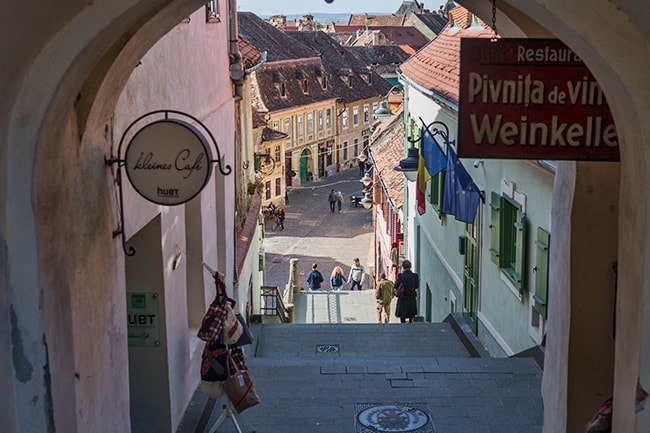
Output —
<point x="383" y="111"/>
<point x="366" y="201"/>
<point x="366" y="180"/>
<point x="409" y="165"/>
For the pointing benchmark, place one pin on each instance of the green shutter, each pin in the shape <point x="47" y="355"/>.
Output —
<point x="495" y="207"/>
<point x="520" y="251"/>
<point x="541" y="271"/>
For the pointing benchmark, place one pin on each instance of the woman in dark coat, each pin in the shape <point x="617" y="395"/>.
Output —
<point x="407" y="306"/>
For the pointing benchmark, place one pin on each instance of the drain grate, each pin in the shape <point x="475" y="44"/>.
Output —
<point x="393" y="418"/>
<point x="327" y="348"/>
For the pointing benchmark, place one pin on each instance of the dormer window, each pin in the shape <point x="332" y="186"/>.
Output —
<point x="366" y="77"/>
<point x="305" y="88"/>
<point x="282" y="87"/>
<point x="212" y="12"/>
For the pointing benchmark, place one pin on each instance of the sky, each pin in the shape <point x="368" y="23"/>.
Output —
<point x="288" y="7"/>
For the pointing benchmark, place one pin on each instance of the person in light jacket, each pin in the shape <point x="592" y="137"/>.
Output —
<point x="384" y="296"/>
<point x="407" y="306"/>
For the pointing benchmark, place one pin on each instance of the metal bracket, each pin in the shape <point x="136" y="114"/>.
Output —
<point x="225" y="169"/>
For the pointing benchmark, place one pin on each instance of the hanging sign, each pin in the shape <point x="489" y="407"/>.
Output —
<point x="531" y="99"/>
<point x="168" y="162"/>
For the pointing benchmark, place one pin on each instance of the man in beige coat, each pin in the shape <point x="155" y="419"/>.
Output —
<point x="384" y="296"/>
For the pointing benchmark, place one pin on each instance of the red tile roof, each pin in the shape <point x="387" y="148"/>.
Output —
<point x="386" y="149"/>
<point x="436" y="67"/>
<point x="245" y="237"/>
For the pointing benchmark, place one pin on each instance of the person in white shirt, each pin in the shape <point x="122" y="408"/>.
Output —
<point x="356" y="275"/>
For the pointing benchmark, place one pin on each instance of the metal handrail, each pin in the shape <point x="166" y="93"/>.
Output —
<point x="272" y="303"/>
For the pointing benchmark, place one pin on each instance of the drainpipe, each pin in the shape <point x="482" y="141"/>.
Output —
<point x="237" y="72"/>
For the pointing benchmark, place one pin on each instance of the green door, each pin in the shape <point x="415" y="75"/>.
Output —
<point x="304" y="166"/>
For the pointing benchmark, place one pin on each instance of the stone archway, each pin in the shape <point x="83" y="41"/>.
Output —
<point x="58" y="212"/>
<point x="64" y="276"/>
<point x="606" y="36"/>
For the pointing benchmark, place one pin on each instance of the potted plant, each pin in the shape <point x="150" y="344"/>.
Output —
<point x="255" y="186"/>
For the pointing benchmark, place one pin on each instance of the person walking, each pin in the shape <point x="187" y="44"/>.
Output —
<point x="332" y="200"/>
<point x="314" y="278"/>
<point x="356" y="275"/>
<point x="337" y="278"/>
<point x="407" y="306"/>
<point x="279" y="215"/>
<point x="384" y="296"/>
<point x="339" y="200"/>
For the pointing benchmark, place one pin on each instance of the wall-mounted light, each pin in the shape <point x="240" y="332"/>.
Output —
<point x="366" y="201"/>
<point x="366" y="180"/>
<point x="478" y="163"/>
<point x="409" y="165"/>
<point x="383" y="111"/>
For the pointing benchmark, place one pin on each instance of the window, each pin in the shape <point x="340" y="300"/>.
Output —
<point x="541" y="271"/>
<point x="508" y="238"/>
<point x="328" y="118"/>
<point x="355" y="116"/>
<point x="319" y="120"/>
<point x="276" y="125"/>
<point x="366" y="113"/>
<point x="283" y="89"/>
<point x="356" y="147"/>
<point x="287" y="127"/>
<point x="345" y="151"/>
<point x="310" y="123"/>
<point x="305" y="88"/>
<point x="212" y="12"/>
<point x="277" y="153"/>
<point x="301" y="126"/>
<point x="323" y="82"/>
<point x="267" y="189"/>
<point x="344" y="119"/>
<point x="278" y="187"/>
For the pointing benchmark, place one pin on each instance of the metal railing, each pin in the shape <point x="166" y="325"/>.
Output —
<point x="272" y="303"/>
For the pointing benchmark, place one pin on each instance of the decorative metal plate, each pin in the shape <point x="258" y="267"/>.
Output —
<point x="398" y="417"/>
<point x="327" y="348"/>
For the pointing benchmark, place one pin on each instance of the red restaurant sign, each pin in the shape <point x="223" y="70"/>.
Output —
<point x="531" y="99"/>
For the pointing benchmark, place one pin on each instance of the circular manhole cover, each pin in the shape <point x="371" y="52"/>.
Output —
<point x="393" y="418"/>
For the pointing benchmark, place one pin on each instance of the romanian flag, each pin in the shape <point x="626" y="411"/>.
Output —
<point x="420" y="194"/>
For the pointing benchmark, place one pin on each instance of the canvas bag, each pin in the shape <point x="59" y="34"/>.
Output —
<point x="239" y="389"/>
<point x="232" y="327"/>
<point x="246" y="336"/>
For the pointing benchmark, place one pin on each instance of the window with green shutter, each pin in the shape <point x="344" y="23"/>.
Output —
<point x="495" y="225"/>
<point x="541" y="271"/>
<point x="508" y="238"/>
<point x="436" y="189"/>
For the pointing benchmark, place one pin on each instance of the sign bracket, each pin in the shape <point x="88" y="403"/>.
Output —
<point x="118" y="161"/>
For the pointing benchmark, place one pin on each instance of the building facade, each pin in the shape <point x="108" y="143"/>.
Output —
<point x="64" y="276"/>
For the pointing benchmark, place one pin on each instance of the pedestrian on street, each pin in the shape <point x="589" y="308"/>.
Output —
<point x="384" y="296"/>
<point x="356" y="275"/>
<point x="332" y="200"/>
<point x="314" y="278"/>
<point x="339" y="199"/>
<point x="280" y="218"/>
<point x="337" y="278"/>
<point x="407" y="307"/>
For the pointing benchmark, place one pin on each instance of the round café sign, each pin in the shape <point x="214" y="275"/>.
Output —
<point x="168" y="162"/>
